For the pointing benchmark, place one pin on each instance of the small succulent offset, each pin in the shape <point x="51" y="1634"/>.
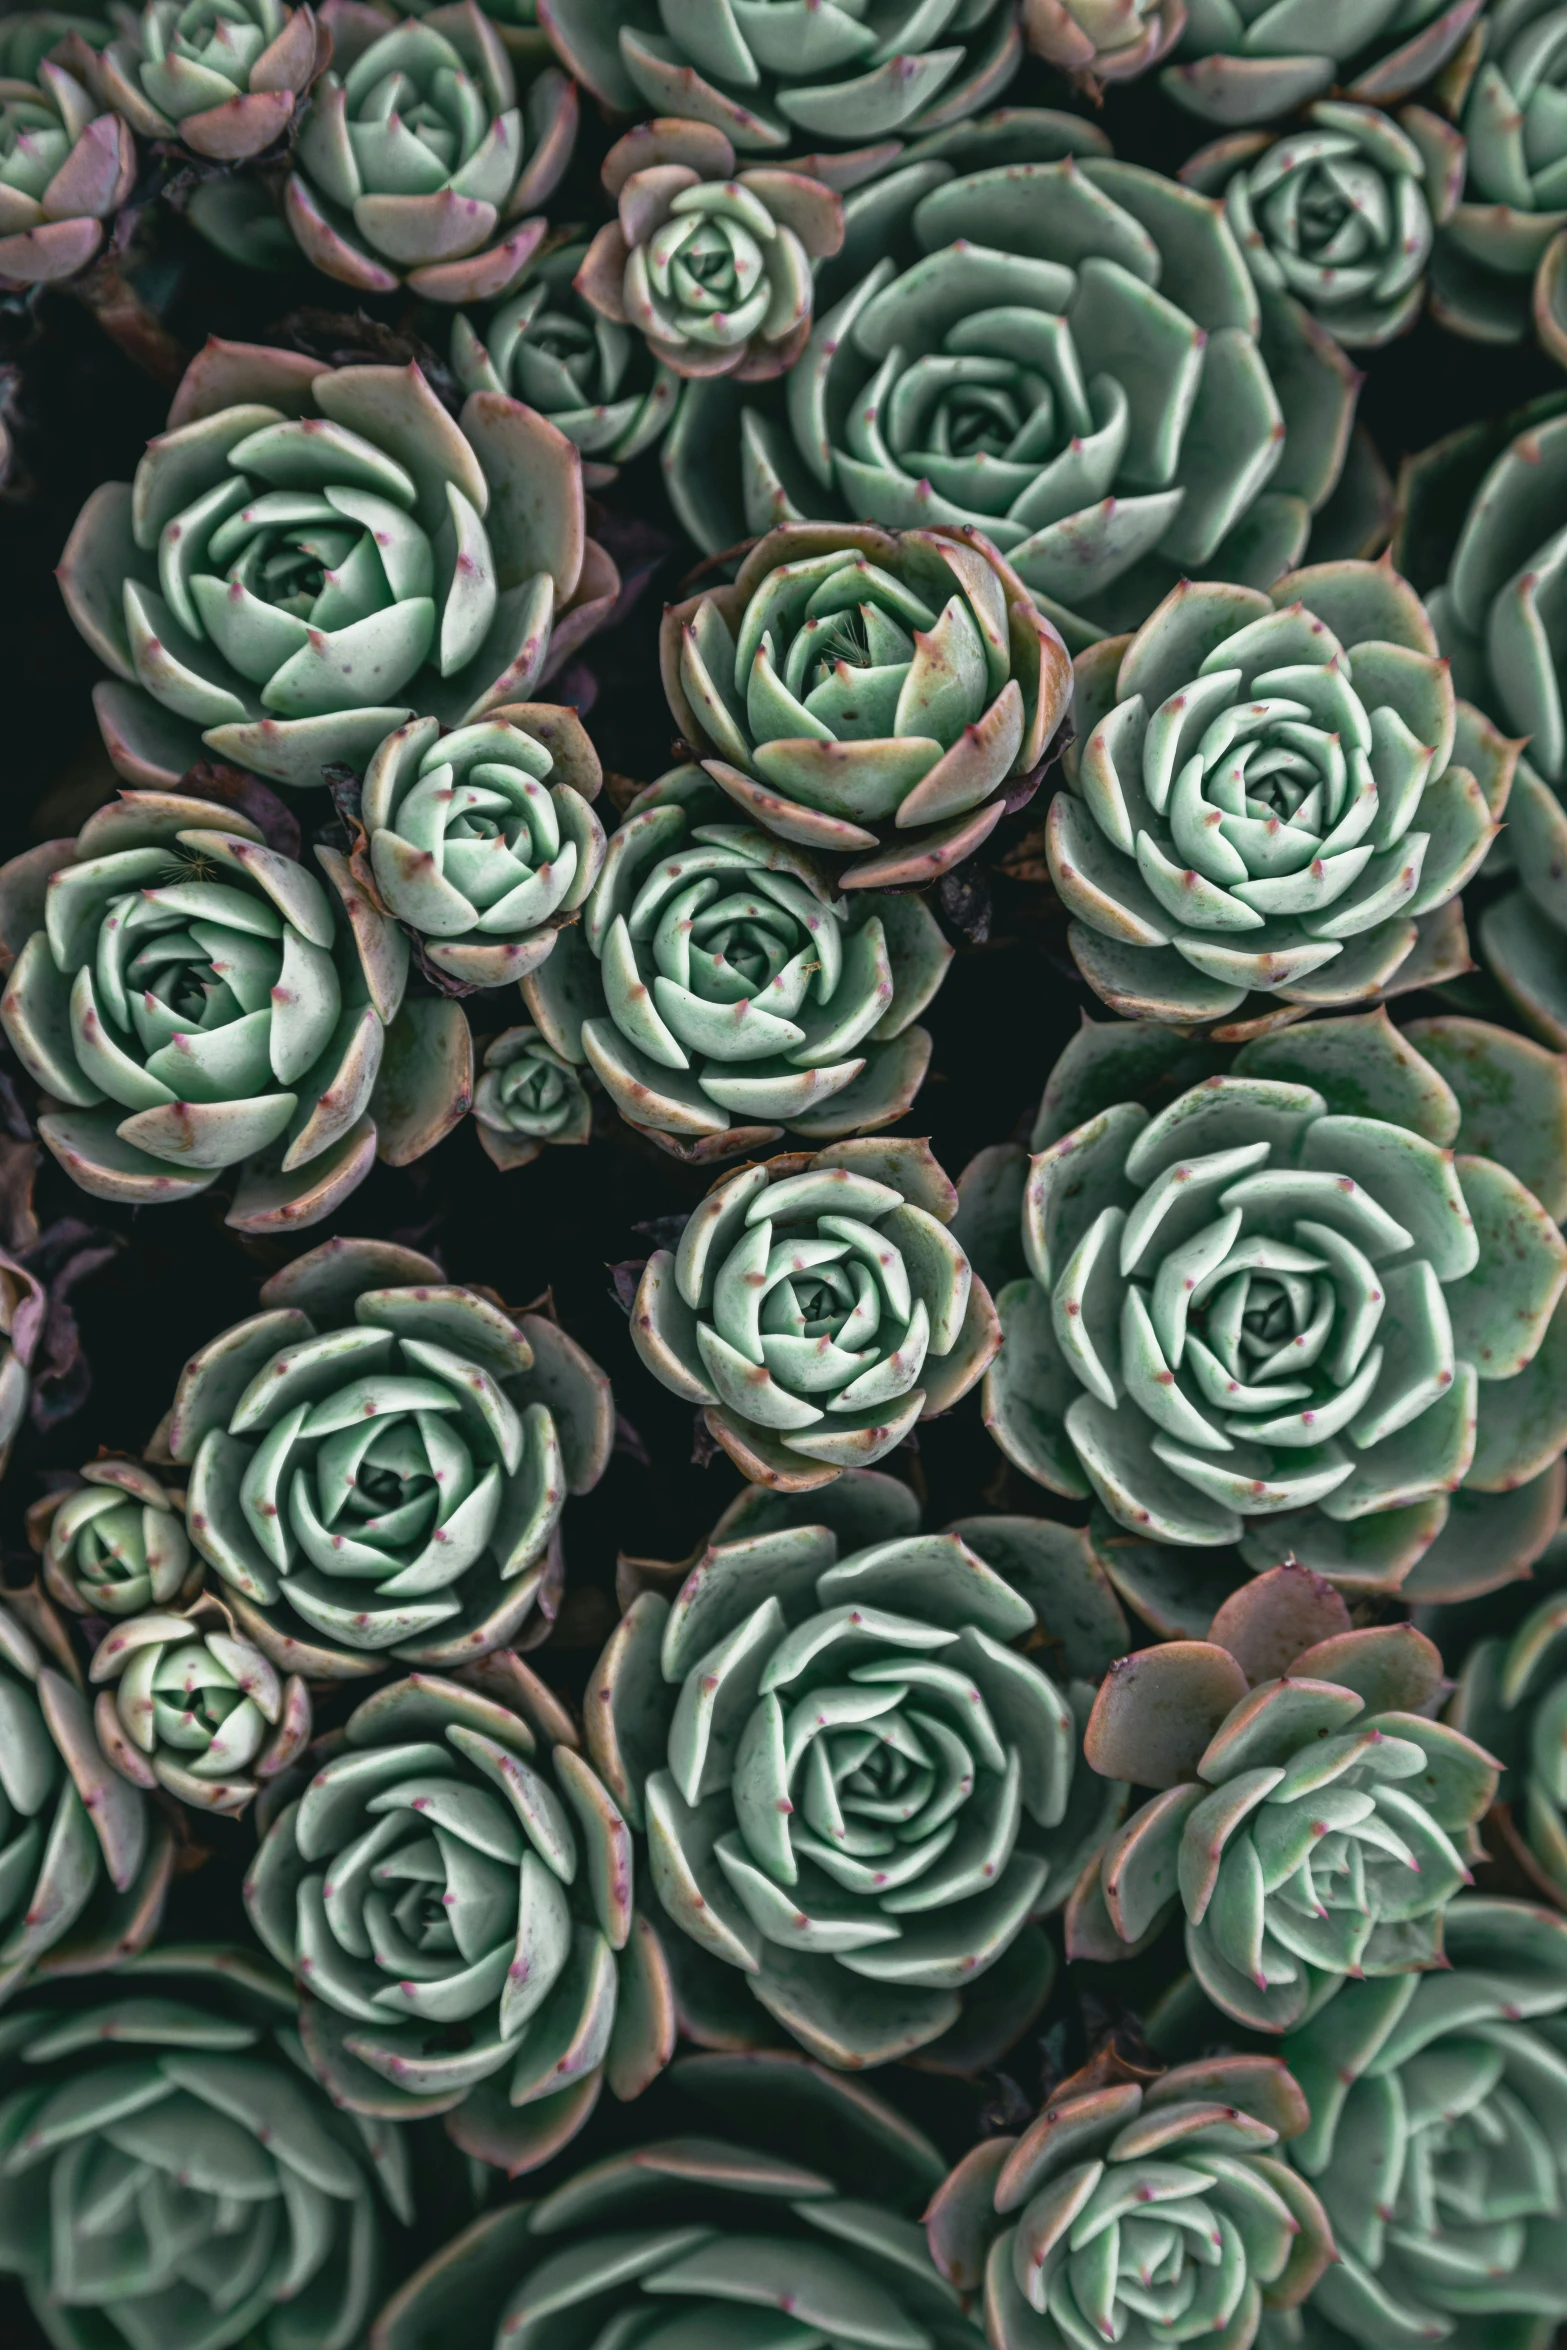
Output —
<point x="1435" y="2141"/>
<point x="191" y="1000"/>
<point x="797" y="2224"/>
<point x="173" y="2175"/>
<point x="1501" y="264"/>
<point x="453" y="1891"/>
<point x="528" y="1096"/>
<point x="484" y="841"/>
<point x="1103" y="41"/>
<point x="712" y="266"/>
<point x="1246" y="61"/>
<point x="1311" y="1826"/>
<point x="65" y="169"/>
<point x="856" y="1787"/>
<point x="1512" y="1697"/>
<point x="1280" y="1318"/>
<point x="414" y="164"/>
<point x="223" y="77"/>
<point x="720" y="992"/>
<point x="115" y="1545"/>
<point x="309" y="556"/>
<point x="1135" y="2210"/>
<point x="379" y="1461"/>
<point x="816" y="1307"/>
<point x="1342" y="213"/>
<point x="852" y="678"/>
<point x="1267" y="794"/>
<point x="597" y="382"/>
<point x="195" y="1708"/>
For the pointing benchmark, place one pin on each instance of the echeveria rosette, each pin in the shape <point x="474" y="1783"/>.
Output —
<point x="1288" y="1256"/>
<point x="1309" y="1828"/>
<point x="1511" y="1695"/>
<point x="830" y="1276"/>
<point x="186" y="1704"/>
<point x="1026" y="338"/>
<point x="484" y="842"/>
<point x="1270" y="805"/>
<point x="597" y="382"/>
<point x="1246" y="61"/>
<point x="850" y="679"/>
<point x="415" y="164"/>
<point x="379" y="1461"/>
<point x="241" y="2207"/>
<point x="857" y="1786"/>
<point x="1138" y="2210"/>
<point x="115" y="1544"/>
<point x="1342" y="212"/>
<point x="223" y="77"/>
<point x="1098" y="42"/>
<point x="192" y="1001"/>
<point x="721" y="992"/>
<point x="65" y="169"/>
<point x="1435" y="2142"/>
<point x="309" y="556"/>
<point x="454" y="1892"/>
<point x="773" y="78"/>
<point x="528" y="1096"/>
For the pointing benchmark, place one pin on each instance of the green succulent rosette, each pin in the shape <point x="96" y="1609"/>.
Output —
<point x="1511" y="1695"/>
<point x="851" y="679"/>
<point x="65" y="168"/>
<point x="115" y="1544"/>
<point x="379" y="1462"/>
<point x="1482" y="526"/>
<point x="528" y="1096"/>
<point x="1135" y="2210"/>
<point x="1097" y="42"/>
<point x="414" y="163"/>
<point x="1026" y="338"/>
<point x="1435" y="2142"/>
<point x="454" y="1892"/>
<point x="192" y="1001"/>
<point x="798" y="2222"/>
<point x="187" y="1704"/>
<point x="858" y="1787"/>
<point x="1246" y="61"/>
<point x="172" y="2176"/>
<point x="721" y="992"/>
<point x="1273" y="801"/>
<point x="1500" y="268"/>
<point x="310" y="556"/>
<point x="596" y="381"/>
<point x="223" y="77"/>
<point x="772" y="77"/>
<point x="1309" y="1308"/>
<point x="1312" y="1822"/>
<point x="816" y="1308"/>
<point x="484" y="842"/>
<point x="1342" y="212"/>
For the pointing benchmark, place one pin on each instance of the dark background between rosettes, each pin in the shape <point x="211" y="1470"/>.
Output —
<point x="81" y="413"/>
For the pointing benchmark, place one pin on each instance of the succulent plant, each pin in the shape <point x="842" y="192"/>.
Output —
<point x="1480" y="517"/>
<point x="453" y="1890"/>
<point x="1102" y="41"/>
<point x="1311" y="1821"/>
<point x="1511" y="1696"/>
<point x="798" y="2223"/>
<point x="721" y="992"/>
<point x="1025" y="337"/>
<point x="1246" y="61"/>
<point x="830" y="1274"/>
<point x="1435" y="2141"/>
<point x="857" y="1786"/>
<point x="598" y="383"/>
<point x="195" y="1708"/>
<point x="1138" y="2210"/>
<point x="311" y="555"/>
<point x="87" y="1858"/>
<point x="765" y="74"/>
<point x="851" y="678"/>
<point x="173" y="2175"/>
<point x="191" y="1000"/>
<point x="65" y="168"/>
<point x="484" y="842"/>
<point x="115" y="1544"/>
<point x="223" y="77"/>
<point x="1342" y="212"/>
<point x="1279" y="1318"/>
<point x="414" y="164"/>
<point x="379" y="1461"/>
<point x="1268" y="792"/>
<point x="712" y="266"/>
<point x="529" y="1095"/>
